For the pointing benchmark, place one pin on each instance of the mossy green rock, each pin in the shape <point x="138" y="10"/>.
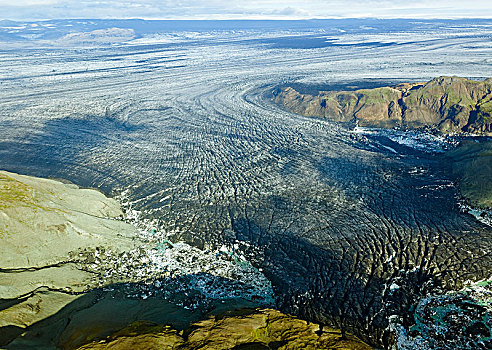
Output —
<point x="243" y="329"/>
<point x="448" y="104"/>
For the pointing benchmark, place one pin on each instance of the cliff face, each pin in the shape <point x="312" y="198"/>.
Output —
<point x="46" y="230"/>
<point x="243" y="329"/>
<point x="449" y="104"/>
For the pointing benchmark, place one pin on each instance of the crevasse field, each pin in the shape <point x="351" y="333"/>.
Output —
<point x="176" y="119"/>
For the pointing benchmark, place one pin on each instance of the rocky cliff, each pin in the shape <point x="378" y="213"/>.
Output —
<point x="242" y="329"/>
<point x="47" y="229"/>
<point x="448" y="104"/>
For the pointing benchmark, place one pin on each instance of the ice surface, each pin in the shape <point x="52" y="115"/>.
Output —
<point x="180" y="118"/>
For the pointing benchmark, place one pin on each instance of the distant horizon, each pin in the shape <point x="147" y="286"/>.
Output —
<point x="39" y="10"/>
<point x="241" y="19"/>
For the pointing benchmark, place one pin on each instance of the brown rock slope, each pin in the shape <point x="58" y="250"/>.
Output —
<point x="449" y="104"/>
<point x="244" y="329"/>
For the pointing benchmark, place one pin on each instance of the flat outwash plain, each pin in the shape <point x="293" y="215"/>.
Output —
<point x="228" y="201"/>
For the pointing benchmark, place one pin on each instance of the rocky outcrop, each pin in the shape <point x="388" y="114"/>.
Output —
<point x="242" y="329"/>
<point x="48" y="233"/>
<point x="448" y="104"/>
